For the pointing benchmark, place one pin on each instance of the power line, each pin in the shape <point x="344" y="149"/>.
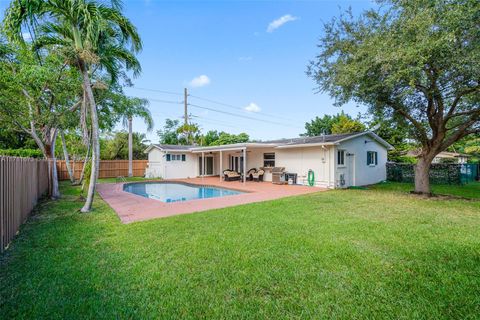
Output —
<point x="163" y="101"/>
<point x="220" y="122"/>
<point x="160" y="91"/>
<point x="242" y="116"/>
<point x="214" y="101"/>
<point x="225" y="112"/>
<point x="239" y="108"/>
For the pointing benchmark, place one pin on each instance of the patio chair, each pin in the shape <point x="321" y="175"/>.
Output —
<point x="250" y="174"/>
<point x="230" y="175"/>
<point x="258" y="176"/>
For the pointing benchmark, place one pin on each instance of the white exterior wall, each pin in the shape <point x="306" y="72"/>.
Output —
<point x="179" y="169"/>
<point x="155" y="167"/>
<point x="301" y="160"/>
<point x="159" y="167"/>
<point x="356" y="171"/>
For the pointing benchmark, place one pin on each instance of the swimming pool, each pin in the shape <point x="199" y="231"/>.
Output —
<point x="174" y="192"/>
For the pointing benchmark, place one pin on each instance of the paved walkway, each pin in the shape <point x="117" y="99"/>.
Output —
<point x="131" y="207"/>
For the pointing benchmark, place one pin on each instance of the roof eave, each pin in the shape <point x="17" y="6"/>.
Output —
<point x="305" y="145"/>
<point x="233" y="146"/>
<point x="150" y="147"/>
<point x="371" y="133"/>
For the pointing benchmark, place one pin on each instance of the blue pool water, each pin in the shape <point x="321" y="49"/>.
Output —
<point x="173" y="192"/>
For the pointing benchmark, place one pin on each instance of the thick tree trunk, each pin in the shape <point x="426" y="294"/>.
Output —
<point x="422" y="174"/>
<point x="95" y="143"/>
<point x="67" y="158"/>
<point x="130" y="148"/>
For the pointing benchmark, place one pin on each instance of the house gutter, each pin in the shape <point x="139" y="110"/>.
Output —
<point x="307" y="145"/>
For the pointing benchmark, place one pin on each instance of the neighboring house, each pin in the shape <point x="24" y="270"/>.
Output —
<point x="444" y="156"/>
<point x="451" y="156"/>
<point x="337" y="161"/>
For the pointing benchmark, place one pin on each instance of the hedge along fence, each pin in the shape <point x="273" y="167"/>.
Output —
<point x="26" y="153"/>
<point x="440" y="173"/>
<point x="22" y="182"/>
<point x="108" y="168"/>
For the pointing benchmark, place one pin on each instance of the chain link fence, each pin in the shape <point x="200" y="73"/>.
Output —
<point x="440" y="173"/>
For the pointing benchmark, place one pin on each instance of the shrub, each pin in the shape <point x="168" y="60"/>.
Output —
<point x="25" y="153"/>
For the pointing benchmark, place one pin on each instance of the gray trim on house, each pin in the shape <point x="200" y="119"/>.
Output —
<point x="330" y="139"/>
<point x="315" y="139"/>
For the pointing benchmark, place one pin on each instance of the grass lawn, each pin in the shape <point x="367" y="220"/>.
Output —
<point x="470" y="190"/>
<point x="377" y="253"/>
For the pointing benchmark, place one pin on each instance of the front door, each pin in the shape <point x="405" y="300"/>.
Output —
<point x="208" y="166"/>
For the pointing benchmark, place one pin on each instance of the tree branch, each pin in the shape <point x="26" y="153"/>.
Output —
<point x="421" y="130"/>
<point x="457" y="99"/>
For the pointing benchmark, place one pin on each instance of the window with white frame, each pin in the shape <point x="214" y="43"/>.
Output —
<point x="372" y="158"/>
<point x="341" y="157"/>
<point x="269" y="160"/>
<point x="175" y="157"/>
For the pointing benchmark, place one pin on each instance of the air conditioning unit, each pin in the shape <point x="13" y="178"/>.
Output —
<point x="341" y="180"/>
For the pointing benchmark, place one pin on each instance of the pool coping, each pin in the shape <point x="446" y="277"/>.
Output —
<point x="186" y="184"/>
<point x="131" y="207"/>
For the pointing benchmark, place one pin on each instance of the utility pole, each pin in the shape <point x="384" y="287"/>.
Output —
<point x="185" y="97"/>
<point x="186" y="106"/>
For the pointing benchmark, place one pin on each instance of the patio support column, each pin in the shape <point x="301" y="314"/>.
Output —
<point x="203" y="164"/>
<point x="244" y="165"/>
<point x="221" y="166"/>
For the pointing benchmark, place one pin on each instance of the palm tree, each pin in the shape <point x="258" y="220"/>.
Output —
<point x="134" y="107"/>
<point x="92" y="36"/>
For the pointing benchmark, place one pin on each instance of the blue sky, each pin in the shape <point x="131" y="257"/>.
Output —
<point x="247" y="54"/>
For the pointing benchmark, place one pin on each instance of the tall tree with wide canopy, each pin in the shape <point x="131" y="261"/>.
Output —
<point x="419" y="60"/>
<point x="130" y="108"/>
<point x="92" y="35"/>
<point x="36" y="93"/>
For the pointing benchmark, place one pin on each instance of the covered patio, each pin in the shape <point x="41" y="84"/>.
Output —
<point x="238" y="157"/>
<point x="131" y="207"/>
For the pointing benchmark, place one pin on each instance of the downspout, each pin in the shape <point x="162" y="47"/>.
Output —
<point x="165" y="165"/>
<point x="328" y="162"/>
<point x="354" y="173"/>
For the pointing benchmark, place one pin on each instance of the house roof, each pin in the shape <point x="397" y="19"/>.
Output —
<point x="315" y="139"/>
<point x="330" y="139"/>
<point x="446" y="154"/>
<point x="443" y="154"/>
<point x="169" y="147"/>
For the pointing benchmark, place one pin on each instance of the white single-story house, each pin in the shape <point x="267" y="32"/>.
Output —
<point x="337" y="161"/>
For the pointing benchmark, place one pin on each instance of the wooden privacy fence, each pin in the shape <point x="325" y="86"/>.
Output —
<point x="22" y="182"/>
<point x="108" y="168"/>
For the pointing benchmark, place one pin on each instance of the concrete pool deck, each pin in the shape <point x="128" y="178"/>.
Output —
<point x="130" y="207"/>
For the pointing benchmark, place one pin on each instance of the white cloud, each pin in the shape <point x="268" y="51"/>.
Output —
<point x="244" y="59"/>
<point x="277" y="23"/>
<point x="200" y="81"/>
<point x="252" y="107"/>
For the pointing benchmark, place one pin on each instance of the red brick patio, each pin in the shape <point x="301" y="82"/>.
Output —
<point x="131" y="207"/>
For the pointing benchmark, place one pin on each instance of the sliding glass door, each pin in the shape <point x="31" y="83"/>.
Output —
<point x="236" y="163"/>
<point x="208" y="166"/>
